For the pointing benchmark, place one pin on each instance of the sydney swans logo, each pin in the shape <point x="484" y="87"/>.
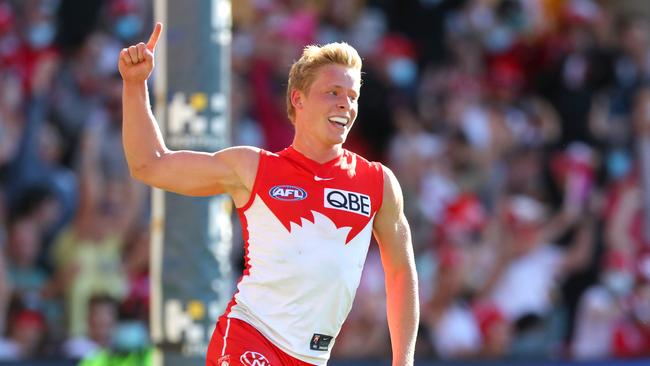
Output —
<point x="254" y="359"/>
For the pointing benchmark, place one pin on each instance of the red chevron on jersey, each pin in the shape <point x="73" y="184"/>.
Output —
<point x="345" y="191"/>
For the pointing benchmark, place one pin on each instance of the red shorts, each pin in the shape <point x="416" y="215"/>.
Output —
<point x="236" y="343"/>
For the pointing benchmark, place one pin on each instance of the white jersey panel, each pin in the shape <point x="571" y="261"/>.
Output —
<point x="301" y="282"/>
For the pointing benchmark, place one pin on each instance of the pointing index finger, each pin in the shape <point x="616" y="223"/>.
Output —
<point x="153" y="40"/>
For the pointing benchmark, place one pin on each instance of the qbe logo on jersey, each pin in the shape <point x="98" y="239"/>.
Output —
<point x="254" y="359"/>
<point x="354" y="202"/>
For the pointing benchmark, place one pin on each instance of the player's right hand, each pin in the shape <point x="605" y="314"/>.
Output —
<point x="136" y="62"/>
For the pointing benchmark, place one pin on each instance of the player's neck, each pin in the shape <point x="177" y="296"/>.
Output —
<point x="317" y="152"/>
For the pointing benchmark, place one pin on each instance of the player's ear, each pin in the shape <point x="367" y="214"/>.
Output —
<point x="296" y="98"/>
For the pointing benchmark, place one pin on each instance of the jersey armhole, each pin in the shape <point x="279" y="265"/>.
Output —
<point x="260" y="167"/>
<point x="380" y="194"/>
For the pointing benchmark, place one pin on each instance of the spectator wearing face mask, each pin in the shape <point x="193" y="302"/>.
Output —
<point x="600" y="308"/>
<point x="102" y="320"/>
<point x="37" y="40"/>
<point x="111" y="339"/>
<point x="127" y="19"/>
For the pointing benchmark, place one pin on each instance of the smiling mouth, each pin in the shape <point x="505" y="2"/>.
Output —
<point x="340" y="121"/>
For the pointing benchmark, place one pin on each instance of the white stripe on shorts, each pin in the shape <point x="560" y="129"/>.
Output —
<point x="225" y="338"/>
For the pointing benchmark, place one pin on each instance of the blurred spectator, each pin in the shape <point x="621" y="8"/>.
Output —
<point x="601" y="307"/>
<point x="112" y="339"/>
<point x="102" y="321"/>
<point x="496" y="331"/>
<point x="246" y="129"/>
<point x="26" y="335"/>
<point x="24" y="241"/>
<point x="126" y="18"/>
<point x="38" y="160"/>
<point x="580" y="71"/>
<point x="631" y="61"/>
<point x="31" y="284"/>
<point x="624" y="218"/>
<point x="414" y="153"/>
<point x="136" y="265"/>
<point x="453" y="328"/>
<point x="632" y="334"/>
<point x="528" y="269"/>
<point x="105" y="358"/>
<point x="89" y="253"/>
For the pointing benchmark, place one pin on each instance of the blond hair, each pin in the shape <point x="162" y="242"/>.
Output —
<point x="303" y="71"/>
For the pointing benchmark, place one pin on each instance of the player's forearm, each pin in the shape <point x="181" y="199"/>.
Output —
<point x="143" y="142"/>
<point x="403" y="312"/>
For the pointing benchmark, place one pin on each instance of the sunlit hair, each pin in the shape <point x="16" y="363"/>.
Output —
<point x="303" y="71"/>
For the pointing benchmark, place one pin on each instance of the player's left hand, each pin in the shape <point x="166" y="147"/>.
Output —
<point x="137" y="61"/>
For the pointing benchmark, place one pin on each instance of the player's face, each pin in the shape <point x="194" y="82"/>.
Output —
<point x="330" y="105"/>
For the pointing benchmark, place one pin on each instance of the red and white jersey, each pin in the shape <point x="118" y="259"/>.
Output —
<point x="307" y="228"/>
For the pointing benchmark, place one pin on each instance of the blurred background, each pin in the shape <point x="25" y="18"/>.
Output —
<point x="519" y="130"/>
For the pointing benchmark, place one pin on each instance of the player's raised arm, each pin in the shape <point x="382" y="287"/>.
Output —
<point x="150" y="161"/>
<point x="393" y="234"/>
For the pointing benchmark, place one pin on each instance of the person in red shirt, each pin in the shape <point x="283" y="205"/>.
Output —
<point x="631" y="336"/>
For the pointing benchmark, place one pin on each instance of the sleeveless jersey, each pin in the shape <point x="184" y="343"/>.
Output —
<point x="307" y="228"/>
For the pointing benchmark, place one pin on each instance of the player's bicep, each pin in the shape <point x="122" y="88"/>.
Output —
<point x="391" y="228"/>
<point x="202" y="174"/>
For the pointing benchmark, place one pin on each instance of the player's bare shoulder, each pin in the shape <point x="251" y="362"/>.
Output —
<point x="392" y="202"/>
<point x="245" y="154"/>
<point x="392" y="188"/>
<point x="244" y="161"/>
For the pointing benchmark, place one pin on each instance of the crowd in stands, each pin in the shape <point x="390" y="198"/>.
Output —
<point x="519" y="130"/>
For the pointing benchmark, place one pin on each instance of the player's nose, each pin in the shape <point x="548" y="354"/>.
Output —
<point x="344" y="104"/>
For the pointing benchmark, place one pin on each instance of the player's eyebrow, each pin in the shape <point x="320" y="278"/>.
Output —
<point x="337" y="86"/>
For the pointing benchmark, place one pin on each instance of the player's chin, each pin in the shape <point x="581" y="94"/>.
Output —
<point x="339" y="139"/>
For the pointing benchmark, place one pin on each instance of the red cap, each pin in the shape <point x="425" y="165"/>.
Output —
<point x="26" y="318"/>
<point x="617" y="260"/>
<point x="395" y="45"/>
<point x="466" y="212"/>
<point x="6" y="17"/>
<point x="487" y="314"/>
<point x="581" y="12"/>
<point x="122" y="7"/>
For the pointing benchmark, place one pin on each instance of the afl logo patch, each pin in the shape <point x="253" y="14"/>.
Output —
<point x="254" y="359"/>
<point x="288" y="193"/>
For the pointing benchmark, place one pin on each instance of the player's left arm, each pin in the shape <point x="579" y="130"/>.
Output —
<point x="393" y="234"/>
